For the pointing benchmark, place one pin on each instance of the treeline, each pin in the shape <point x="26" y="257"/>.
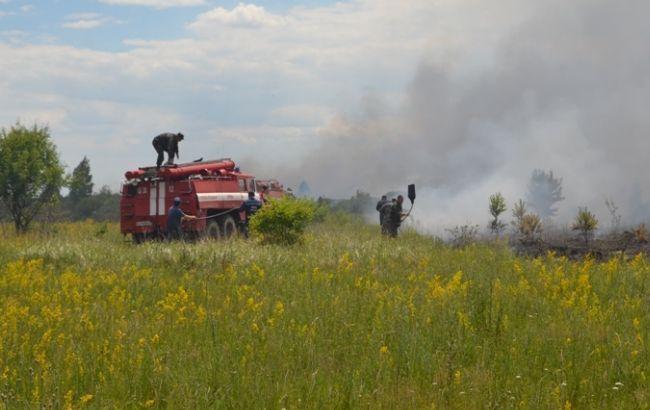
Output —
<point x="32" y="178"/>
<point x="83" y="203"/>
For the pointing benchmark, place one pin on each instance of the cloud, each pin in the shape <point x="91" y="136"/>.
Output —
<point x="83" y="24"/>
<point x="86" y="21"/>
<point x="159" y="4"/>
<point x="243" y="15"/>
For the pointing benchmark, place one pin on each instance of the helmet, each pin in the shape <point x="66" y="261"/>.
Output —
<point x="177" y="201"/>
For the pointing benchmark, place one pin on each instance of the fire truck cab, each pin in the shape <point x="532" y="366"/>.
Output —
<point x="212" y="191"/>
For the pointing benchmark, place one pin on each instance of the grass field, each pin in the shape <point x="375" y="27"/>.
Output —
<point x="348" y="319"/>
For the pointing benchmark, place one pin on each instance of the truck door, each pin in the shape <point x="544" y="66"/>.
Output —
<point x="157" y="198"/>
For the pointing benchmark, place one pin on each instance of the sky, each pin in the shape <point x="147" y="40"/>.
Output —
<point x="250" y="81"/>
<point x="462" y="97"/>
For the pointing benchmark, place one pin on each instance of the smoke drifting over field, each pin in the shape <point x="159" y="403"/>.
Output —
<point x="568" y="90"/>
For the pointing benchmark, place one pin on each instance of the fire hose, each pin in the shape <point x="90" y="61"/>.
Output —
<point x="215" y="215"/>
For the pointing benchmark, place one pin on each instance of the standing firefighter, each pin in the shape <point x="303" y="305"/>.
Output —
<point x="249" y="207"/>
<point x="394" y="217"/>
<point x="167" y="142"/>
<point x="383" y="201"/>
<point x="175" y="216"/>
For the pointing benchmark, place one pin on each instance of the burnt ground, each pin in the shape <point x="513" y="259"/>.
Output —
<point x="574" y="247"/>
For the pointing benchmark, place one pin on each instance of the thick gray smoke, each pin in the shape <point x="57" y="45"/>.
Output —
<point x="569" y="90"/>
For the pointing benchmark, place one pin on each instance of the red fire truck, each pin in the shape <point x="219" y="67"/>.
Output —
<point x="271" y="188"/>
<point x="212" y="191"/>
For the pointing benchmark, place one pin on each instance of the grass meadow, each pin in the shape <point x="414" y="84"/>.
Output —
<point x="347" y="319"/>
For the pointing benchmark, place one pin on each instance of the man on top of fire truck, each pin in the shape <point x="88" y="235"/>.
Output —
<point x="174" y="218"/>
<point x="249" y="207"/>
<point x="167" y="142"/>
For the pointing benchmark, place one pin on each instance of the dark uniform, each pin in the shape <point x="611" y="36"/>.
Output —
<point x="384" y="216"/>
<point x="394" y="219"/>
<point x="249" y="207"/>
<point x="167" y="142"/>
<point x="379" y="206"/>
<point x="174" y="217"/>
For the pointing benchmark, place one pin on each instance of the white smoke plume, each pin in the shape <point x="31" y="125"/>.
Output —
<point x="567" y="90"/>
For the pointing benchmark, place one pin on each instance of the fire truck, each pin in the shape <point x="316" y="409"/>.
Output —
<point x="273" y="187"/>
<point x="212" y="191"/>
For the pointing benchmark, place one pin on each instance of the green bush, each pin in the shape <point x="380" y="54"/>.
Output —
<point x="282" y="221"/>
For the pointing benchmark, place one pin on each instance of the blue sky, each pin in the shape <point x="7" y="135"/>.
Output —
<point x="44" y="20"/>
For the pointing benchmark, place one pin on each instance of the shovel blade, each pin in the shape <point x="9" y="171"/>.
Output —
<point x="411" y="194"/>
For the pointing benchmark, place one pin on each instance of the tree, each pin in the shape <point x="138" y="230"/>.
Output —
<point x="613" y="212"/>
<point x="544" y="191"/>
<point x="81" y="181"/>
<point x="303" y="190"/>
<point x="497" y="207"/>
<point x="31" y="173"/>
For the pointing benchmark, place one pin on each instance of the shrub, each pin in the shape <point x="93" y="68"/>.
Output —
<point x="518" y="212"/>
<point x="586" y="223"/>
<point x="641" y="234"/>
<point x="528" y="225"/>
<point x="531" y="226"/>
<point x="462" y="236"/>
<point x="282" y="221"/>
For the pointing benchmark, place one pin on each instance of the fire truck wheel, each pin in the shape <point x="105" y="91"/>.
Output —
<point x="138" y="238"/>
<point x="212" y="231"/>
<point x="229" y="226"/>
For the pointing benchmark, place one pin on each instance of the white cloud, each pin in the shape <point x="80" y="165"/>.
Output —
<point x="83" y="24"/>
<point x="243" y="15"/>
<point x="86" y="21"/>
<point x="160" y="4"/>
<point x="83" y="16"/>
<point x="27" y="8"/>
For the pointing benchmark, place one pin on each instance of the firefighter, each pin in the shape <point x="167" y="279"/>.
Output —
<point x="395" y="216"/>
<point x="383" y="201"/>
<point x="249" y="207"/>
<point x="384" y="215"/>
<point x="175" y="216"/>
<point x="167" y="142"/>
<point x="264" y="193"/>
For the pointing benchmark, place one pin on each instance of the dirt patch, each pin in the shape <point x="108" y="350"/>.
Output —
<point x="602" y="248"/>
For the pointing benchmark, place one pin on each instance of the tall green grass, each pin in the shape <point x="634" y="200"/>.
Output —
<point x="346" y="319"/>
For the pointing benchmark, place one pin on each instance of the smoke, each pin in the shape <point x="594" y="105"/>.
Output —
<point x="568" y="90"/>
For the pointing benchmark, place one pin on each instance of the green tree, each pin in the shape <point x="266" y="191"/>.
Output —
<point x="497" y="207"/>
<point x="81" y="181"/>
<point x="31" y="173"/>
